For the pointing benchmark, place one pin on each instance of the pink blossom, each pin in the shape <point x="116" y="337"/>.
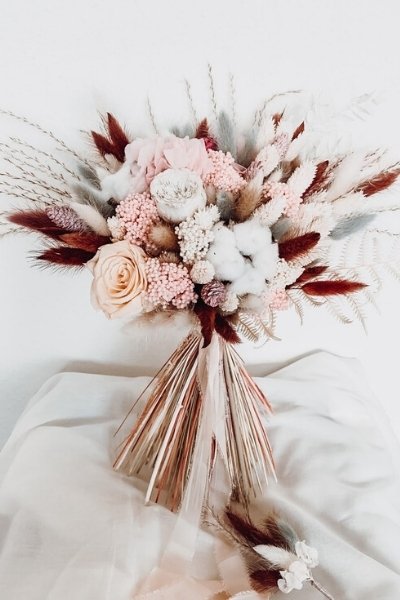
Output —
<point x="168" y="284"/>
<point x="149" y="157"/>
<point x="224" y="173"/>
<point x="136" y="214"/>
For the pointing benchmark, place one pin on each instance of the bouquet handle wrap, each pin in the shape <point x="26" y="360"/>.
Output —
<point x="203" y="408"/>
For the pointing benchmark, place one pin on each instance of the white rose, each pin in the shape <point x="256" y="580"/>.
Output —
<point x="178" y="193"/>
<point x="119" y="278"/>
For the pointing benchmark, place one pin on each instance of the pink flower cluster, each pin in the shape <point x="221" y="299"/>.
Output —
<point x="149" y="157"/>
<point x="223" y="175"/>
<point x="168" y="284"/>
<point x="137" y="213"/>
<point x="277" y="190"/>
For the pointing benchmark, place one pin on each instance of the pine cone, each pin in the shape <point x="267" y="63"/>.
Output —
<point x="213" y="293"/>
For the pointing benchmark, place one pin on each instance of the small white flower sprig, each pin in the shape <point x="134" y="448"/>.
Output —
<point x="275" y="559"/>
<point x="298" y="571"/>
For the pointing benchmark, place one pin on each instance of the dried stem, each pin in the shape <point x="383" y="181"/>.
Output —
<point x="322" y="590"/>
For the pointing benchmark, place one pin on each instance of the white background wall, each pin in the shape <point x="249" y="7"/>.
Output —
<point x="61" y="61"/>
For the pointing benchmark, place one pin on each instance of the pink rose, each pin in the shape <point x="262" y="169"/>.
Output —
<point x="149" y="157"/>
<point x="119" y="278"/>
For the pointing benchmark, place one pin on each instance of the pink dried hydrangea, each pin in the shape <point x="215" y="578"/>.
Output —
<point x="275" y="190"/>
<point x="223" y="175"/>
<point x="137" y="213"/>
<point x="168" y="284"/>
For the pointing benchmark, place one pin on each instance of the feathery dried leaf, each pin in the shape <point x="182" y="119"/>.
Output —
<point x="320" y="178"/>
<point x="347" y="227"/>
<point x="36" y="220"/>
<point x="302" y="178"/>
<point x="378" y="183"/>
<point x="116" y="141"/>
<point x="202" y="130"/>
<point x="65" y="257"/>
<point x="92" y="217"/>
<point x="206" y="315"/>
<point x="311" y="273"/>
<point x="332" y="287"/>
<point x="296" y="247"/>
<point x="298" y="131"/>
<point x="88" y="241"/>
<point x="225" y="330"/>
<point x="226" y="134"/>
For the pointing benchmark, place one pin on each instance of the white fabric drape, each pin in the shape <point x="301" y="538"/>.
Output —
<point x="71" y="528"/>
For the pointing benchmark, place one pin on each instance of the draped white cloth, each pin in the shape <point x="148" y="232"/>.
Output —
<point x="71" y="528"/>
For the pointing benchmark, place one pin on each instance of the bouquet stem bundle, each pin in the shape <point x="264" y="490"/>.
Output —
<point x="203" y="406"/>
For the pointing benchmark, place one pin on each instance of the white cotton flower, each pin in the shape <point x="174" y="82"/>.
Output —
<point x="117" y="229"/>
<point x="266" y="261"/>
<point x="224" y="235"/>
<point x="251" y="237"/>
<point x="118" y="185"/>
<point x="178" y="193"/>
<point x="250" y="282"/>
<point x="202" y="272"/>
<point x="252" y="303"/>
<point x="228" y="263"/>
<point x="230" y="303"/>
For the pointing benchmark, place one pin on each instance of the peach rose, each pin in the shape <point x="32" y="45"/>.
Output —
<point x="119" y="279"/>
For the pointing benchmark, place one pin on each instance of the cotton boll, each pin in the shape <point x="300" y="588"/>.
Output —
<point x="223" y="235"/>
<point x="118" y="185"/>
<point x="266" y="260"/>
<point x="252" y="303"/>
<point x="251" y="237"/>
<point x="250" y="282"/>
<point x="228" y="263"/>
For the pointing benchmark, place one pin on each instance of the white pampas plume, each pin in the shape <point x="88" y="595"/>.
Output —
<point x="269" y="213"/>
<point x="275" y="555"/>
<point x="357" y="204"/>
<point x="346" y="175"/>
<point x="302" y="178"/>
<point x="269" y="158"/>
<point x="92" y="217"/>
<point x="266" y="133"/>
<point x="296" y="146"/>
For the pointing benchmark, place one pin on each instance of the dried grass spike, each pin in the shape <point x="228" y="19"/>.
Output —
<point x="332" y="287"/>
<point x="378" y="183"/>
<point x="250" y="198"/>
<point x="63" y="256"/>
<point x="298" y="131"/>
<point x="296" y="247"/>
